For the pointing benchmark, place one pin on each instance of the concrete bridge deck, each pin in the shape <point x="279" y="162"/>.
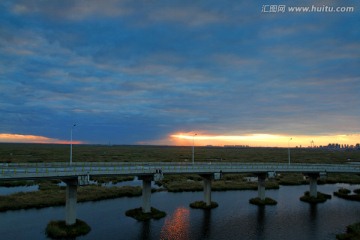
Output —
<point x="15" y="171"/>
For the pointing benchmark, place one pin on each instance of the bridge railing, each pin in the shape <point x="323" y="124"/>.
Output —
<point x="117" y="168"/>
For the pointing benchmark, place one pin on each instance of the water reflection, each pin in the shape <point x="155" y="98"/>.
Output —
<point x="177" y="225"/>
<point x="313" y="212"/>
<point x="145" y="230"/>
<point x="260" y="224"/>
<point x="206" y="227"/>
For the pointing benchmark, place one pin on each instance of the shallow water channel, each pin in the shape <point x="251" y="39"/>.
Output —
<point x="235" y="218"/>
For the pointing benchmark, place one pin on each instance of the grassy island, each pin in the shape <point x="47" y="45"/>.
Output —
<point x="321" y="197"/>
<point x="259" y="202"/>
<point x="352" y="233"/>
<point x="202" y="205"/>
<point x="53" y="195"/>
<point x="345" y="194"/>
<point x="59" y="229"/>
<point x="138" y="214"/>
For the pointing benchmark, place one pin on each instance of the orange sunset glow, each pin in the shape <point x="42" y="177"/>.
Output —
<point x="262" y="140"/>
<point x="20" y="138"/>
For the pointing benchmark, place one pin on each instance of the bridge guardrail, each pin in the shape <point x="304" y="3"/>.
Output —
<point x="62" y="169"/>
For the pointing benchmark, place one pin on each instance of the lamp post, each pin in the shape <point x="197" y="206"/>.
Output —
<point x="193" y="150"/>
<point x="289" y="149"/>
<point x="71" y="131"/>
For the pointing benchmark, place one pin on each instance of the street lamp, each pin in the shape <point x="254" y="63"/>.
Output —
<point x="289" y="149"/>
<point x="193" y="151"/>
<point x="71" y="131"/>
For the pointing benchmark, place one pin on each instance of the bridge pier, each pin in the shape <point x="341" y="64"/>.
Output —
<point x="313" y="184"/>
<point x="71" y="200"/>
<point x="261" y="185"/>
<point x="146" y="193"/>
<point x="207" y="189"/>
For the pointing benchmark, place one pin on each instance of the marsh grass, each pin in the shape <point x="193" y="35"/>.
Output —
<point x="345" y="194"/>
<point x="59" y="229"/>
<point x="55" y="196"/>
<point x="352" y="232"/>
<point x="114" y="180"/>
<point x="16" y="183"/>
<point x="137" y="214"/>
<point x="202" y="205"/>
<point x="321" y="197"/>
<point x="10" y="152"/>
<point x="259" y="202"/>
<point x="289" y="179"/>
<point x="191" y="183"/>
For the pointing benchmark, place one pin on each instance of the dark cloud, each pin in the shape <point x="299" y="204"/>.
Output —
<point x="136" y="71"/>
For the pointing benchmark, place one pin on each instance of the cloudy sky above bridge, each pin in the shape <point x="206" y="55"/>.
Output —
<point x="156" y="72"/>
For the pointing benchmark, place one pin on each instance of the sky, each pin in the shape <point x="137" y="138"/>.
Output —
<point x="183" y="72"/>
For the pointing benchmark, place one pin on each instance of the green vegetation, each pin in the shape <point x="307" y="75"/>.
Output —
<point x="59" y="229"/>
<point x="114" y="180"/>
<point x="16" y="183"/>
<point x="289" y="179"/>
<point x="55" y="196"/>
<point x="342" y="178"/>
<point x="357" y="191"/>
<point x="10" y="152"/>
<point x="321" y="197"/>
<point x="352" y="233"/>
<point x="345" y="194"/>
<point x="259" y="202"/>
<point x="202" y="205"/>
<point x="191" y="183"/>
<point x="140" y="216"/>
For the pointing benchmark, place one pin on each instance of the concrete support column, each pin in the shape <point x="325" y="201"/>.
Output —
<point x="313" y="184"/>
<point x="207" y="178"/>
<point x="71" y="199"/>
<point x="146" y="193"/>
<point x="261" y="186"/>
<point x="207" y="191"/>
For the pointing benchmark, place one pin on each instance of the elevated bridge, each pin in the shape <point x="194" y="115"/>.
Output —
<point x="79" y="173"/>
<point x="17" y="171"/>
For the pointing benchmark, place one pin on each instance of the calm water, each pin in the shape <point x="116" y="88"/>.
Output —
<point x="11" y="190"/>
<point x="235" y="218"/>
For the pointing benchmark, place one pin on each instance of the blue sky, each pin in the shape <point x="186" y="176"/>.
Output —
<point x="137" y="72"/>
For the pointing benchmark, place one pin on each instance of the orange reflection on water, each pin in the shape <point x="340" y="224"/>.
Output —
<point x="177" y="225"/>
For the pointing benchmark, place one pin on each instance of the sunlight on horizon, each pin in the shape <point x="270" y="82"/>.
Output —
<point x="203" y="139"/>
<point x="262" y="140"/>
<point x="21" y="138"/>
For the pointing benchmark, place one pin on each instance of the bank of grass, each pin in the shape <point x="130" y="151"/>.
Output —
<point x="113" y="180"/>
<point x="191" y="183"/>
<point x="342" y="178"/>
<point x="290" y="179"/>
<point x="352" y="232"/>
<point x="345" y="194"/>
<point x="321" y="197"/>
<point x="59" y="229"/>
<point x="138" y="214"/>
<point x="55" y="196"/>
<point x="259" y="202"/>
<point x="202" y="205"/>
<point x="192" y="186"/>
<point x="24" y="183"/>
